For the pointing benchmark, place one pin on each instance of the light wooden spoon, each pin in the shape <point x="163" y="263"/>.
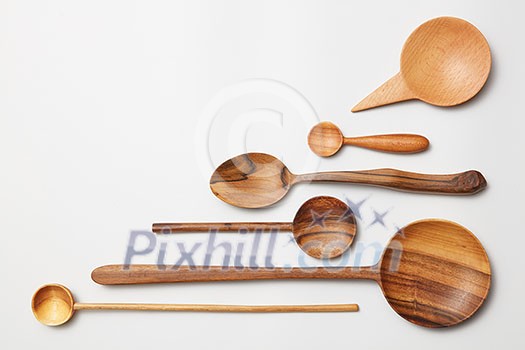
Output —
<point x="53" y="305"/>
<point x="445" y="62"/>
<point x="255" y="180"/>
<point x="326" y="139"/>
<point x="434" y="273"/>
<point x="324" y="227"/>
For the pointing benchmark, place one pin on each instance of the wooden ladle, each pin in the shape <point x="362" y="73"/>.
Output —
<point x="323" y="227"/>
<point x="326" y="139"/>
<point x="434" y="273"/>
<point x="53" y="305"/>
<point x="255" y="180"/>
<point x="445" y="62"/>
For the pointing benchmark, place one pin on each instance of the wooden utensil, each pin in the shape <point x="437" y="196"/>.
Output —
<point x="325" y="139"/>
<point x="445" y="62"/>
<point x="53" y="305"/>
<point x="255" y="180"/>
<point x="434" y="273"/>
<point x="323" y="227"/>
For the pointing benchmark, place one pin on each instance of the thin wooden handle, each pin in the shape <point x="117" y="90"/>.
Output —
<point x="468" y="182"/>
<point x="395" y="143"/>
<point x="221" y="308"/>
<point x="220" y="227"/>
<point x="145" y="274"/>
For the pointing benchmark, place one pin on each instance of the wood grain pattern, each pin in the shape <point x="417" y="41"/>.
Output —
<point x="434" y="273"/>
<point x="324" y="227"/>
<point x="325" y="139"/>
<point x="53" y="305"/>
<point x="445" y="62"/>
<point x="255" y="180"/>
<point x="251" y="180"/>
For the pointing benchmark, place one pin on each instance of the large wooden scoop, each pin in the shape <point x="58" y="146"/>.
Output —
<point x="433" y="273"/>
<point x="445" y="62"/>
<point x="255" y="180"/>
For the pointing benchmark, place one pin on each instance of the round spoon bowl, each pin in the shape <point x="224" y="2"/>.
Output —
<point x="324" y="227"/>
<point x="325" y="139"/>
<point x="445" y="61"/>
<point x="435" y="273"/>
<point x="53" y="304"/>
<point x="251" y="180"/>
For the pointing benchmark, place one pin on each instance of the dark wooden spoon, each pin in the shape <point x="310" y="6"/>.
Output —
<point x="255" y="180"/>
<point x="434" y="273"/>
<point x="324" y="227"/>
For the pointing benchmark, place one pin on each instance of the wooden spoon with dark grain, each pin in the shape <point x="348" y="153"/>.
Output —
<point x="325" y="139"/>
<point x="255" y="180"/>
<point x="434" y="273"/>
<point x="324" y="227"/>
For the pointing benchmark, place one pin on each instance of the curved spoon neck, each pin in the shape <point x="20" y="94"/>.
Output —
<point x="310" y="177"/>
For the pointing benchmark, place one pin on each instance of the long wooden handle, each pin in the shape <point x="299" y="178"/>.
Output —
<point x="221" y="308"/>
<point x="145" y="274"/>
<point x="395" y="143"/>
<point x="468" y="182"/>
<point x="220" y="227"/>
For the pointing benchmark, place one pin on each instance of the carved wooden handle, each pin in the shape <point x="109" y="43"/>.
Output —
<point x="468" y="182"/>
<point x="396" y="143"/>
<point x="144" y="274"/>
<point x="220" y="227"/>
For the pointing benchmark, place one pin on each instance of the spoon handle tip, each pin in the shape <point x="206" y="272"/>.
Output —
<point x="394" y="143"/>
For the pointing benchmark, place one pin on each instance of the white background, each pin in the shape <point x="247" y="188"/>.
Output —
<point x="111" y="119"/>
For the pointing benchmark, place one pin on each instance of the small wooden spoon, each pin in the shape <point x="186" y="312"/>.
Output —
<point x="325" y="139"/>
<point x="434" y="273"/>
<point x="53" y="305"/>
<point x="255" y="180"/>
<point x="445" y="62"/>
<point x="324" y="227"/>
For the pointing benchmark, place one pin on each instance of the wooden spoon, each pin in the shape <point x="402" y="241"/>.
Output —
<point x="324" y="227"/>
<point x="445" y="62"/>
<point x="255" y="180"/>
<point x="434" y="273"/>
<point x="53" y="305"/>
<point x="325" y="139"/>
